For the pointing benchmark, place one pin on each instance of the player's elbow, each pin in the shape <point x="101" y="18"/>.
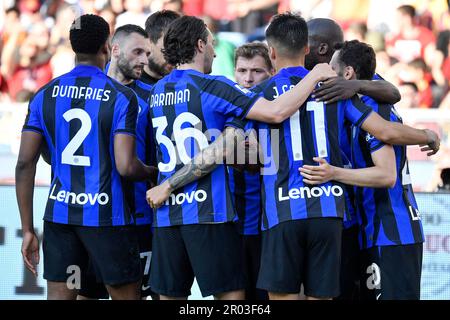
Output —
<point x="277" y="116"/>
<point x="389" y="178"/>
<point x="388" y="135"/>
<point x="124" y="168"/>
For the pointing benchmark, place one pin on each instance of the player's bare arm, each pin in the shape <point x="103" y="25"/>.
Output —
<point x="278" y="110"/>
<point x="382" y="175"/>
<point x="25" y="172"/>
<point x="337" y="88"/>
<point x="395" y="133"/>
<point x="127" y="162"/>
<point x="203" y="163"/>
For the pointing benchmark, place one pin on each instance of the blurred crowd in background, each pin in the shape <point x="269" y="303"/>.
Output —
<point x="411" y="38"/>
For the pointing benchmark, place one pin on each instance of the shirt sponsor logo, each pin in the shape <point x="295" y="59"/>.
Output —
<point x="307" y="192"/>
<point x="79" y="198"/>
<point x="189" y="197"/>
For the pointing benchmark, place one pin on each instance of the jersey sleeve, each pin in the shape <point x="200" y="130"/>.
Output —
<point x="356" y="111"/>
<point x="230" y="99"/>
<point x="385" y="111"/>
<point x="33" y="119"/>
<point x="127" y="113"/>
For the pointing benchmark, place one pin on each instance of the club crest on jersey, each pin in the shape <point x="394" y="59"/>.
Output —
<point x="79" y="198"/>
<point x="189" y="197"/>
<point x="369" y="137"/>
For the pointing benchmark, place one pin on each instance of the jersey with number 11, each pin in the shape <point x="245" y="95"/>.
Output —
<point x="78" y="114"/>
<point x="313" y="131"/>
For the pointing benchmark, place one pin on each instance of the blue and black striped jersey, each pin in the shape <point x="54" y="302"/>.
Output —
<point x="246" y="191"/>
<point x="388" y="216"/>
<point x="313" y="131"/>
<point x="145" y="149"/>
<point x="188" y="110"/>
<point x="79" y="113"/>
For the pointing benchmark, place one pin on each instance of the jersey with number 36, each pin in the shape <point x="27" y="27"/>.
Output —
<point x="313" y="131"/>
<point x="79" y="114"/>
<point x="188" y="109"/>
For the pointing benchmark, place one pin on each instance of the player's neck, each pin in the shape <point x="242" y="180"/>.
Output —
<point x="114" y="73"/>
<point x="282" y="63"/>
<point x="196" y="64"/>
<point x="89" y="60"/>
<point x="151" y="73"/>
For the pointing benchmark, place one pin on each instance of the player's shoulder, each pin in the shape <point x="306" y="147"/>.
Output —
<point x="41" y="91"/>
<point x="142" y="89"/>
<point x="120" y="88"/>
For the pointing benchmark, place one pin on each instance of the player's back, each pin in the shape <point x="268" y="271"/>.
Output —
<point x="389" y="216"/>
<point x="188" y="110"/>
<point x="79" y="113"/>
<point x="313" y="131"/>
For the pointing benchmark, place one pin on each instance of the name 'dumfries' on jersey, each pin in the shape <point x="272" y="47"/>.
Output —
<point x="74" y="92"/>
<point x="170" y="98"/>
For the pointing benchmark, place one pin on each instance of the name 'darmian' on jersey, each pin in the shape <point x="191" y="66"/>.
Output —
<point x="170" y="98"/>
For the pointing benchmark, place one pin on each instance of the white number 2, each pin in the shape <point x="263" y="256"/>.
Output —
<point x="68" y="155"/>
<point x="319" y="125"/>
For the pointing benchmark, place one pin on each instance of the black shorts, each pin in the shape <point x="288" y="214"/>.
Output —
<point x="251" y="255"/>
<point x="208" y="252"/>
<point x="304" y="252"/>
<point x="91" y="284"/>
<point x="391" y="272"/>
<point x="68" y="248"/>
<point x="350" y="264"/>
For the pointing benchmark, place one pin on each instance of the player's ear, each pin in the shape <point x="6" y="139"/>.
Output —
<point x="201" y="45"/>
<point x="323" y="49"/>
<point x="272" y="53"/>
<point x="307" y="50"/>
<point x="115" y="50"/>
<point x="349" y="73"/>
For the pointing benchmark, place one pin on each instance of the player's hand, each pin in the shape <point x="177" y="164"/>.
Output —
<point x="433" y="143"/>
<point x="30" y="251"/>
<point x="323" y="71"/>
<point x="158" y="195"/>
<point x="335" y="89"/>
<point x="322" y="173"/>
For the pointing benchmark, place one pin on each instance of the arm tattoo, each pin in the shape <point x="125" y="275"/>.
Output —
<point x="206" y="160"/>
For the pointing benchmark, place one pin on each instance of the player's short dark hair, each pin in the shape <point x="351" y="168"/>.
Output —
<point x="288" y="33"/>
<point x="88" y="34"/>
<point x="360" y="56"/>
<point x="407" y="10"/>
<point x="128" y="29"/>
<point x="251" y="50"/>
<point x="181" y="38"/>
<point x="157" y="22"/>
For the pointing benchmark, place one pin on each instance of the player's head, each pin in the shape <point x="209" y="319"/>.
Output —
<point x="323" y="34"/>
<point x="287" y="36"/>
<point x="188" y="40"/>
<point x="354" y="60"/>
<point x="130" y="51"/>
<point x="155" y="26"/>
<point x="252" y="64"/>
<point x="89" y="38"/>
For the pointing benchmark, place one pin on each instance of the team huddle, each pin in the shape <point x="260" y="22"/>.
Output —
<point x="278" y="186"/>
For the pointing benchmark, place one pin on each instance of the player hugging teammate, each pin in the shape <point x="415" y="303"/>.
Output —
<point x="337" y="217"/>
